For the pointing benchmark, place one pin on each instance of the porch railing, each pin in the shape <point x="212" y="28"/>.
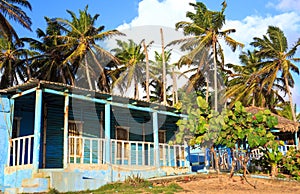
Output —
<point x="21" y="151"/>
<point x="84" y="150"/>
<point x="286" y="148"/>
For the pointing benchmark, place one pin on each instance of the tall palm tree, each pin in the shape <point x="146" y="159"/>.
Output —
<point x="277" y="59"/>
<point x="156" y="74"/>
<point x="204" y="31"/>
<point x="132" y="66"/>
<point x="81" y="37"/>
<point x="48" y="63"/>
<point x="12" y="9"/>
<point x="13" y="66"/>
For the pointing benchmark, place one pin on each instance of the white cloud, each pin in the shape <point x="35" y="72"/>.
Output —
<point x="286" y="5"/>
<point x="165" y="13"/>
<point x="256" y="26"/>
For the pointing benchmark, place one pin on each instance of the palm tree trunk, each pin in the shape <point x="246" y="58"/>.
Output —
<point x="290" y="99"/>
<point x="164" y="68"/>
<point x="27" y="68"/>
<point x="147" y="72"/>
<point x="206" y="92"/>
<point x="136" y="90"/>
<point x="215" y="75"/>
<point x="88" y="77"/>
<point x="175" y="95"/>
<point x="62" y="75"/>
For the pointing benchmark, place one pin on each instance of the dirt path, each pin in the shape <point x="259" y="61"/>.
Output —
<point x="213" y="184"/>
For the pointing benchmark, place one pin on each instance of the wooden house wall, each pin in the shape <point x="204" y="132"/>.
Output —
<point x="91" y="114"/>
<point x="138" y="122"/>
<point x="54" y="131"/>
<point x="168" y="123"/>
<point x="24" y="109"/>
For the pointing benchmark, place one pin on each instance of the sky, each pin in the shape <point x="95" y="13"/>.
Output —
<point x="250" y="18"/>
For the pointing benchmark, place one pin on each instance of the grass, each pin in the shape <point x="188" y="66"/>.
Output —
<point x="132" y="187"/>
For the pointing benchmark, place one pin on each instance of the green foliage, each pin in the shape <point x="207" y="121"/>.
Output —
<point x="272" y="155"/>
<point x="143" y="187"/>
<point x="291" y="161"/>
<point x="229" y="128"/>
<point x="134" y="180"/>
<point x="53" y="191"/>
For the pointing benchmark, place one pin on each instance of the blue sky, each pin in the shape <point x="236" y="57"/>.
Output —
<point x="249" y="17"/>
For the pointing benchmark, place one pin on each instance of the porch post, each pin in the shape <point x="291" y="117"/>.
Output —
<point x="156" y="140"/>
<point x="107" y="134"/>
<point x="37" y="129"/>
<point x="66" y="127"/>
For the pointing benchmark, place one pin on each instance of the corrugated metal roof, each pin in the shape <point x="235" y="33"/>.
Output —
<point x="83" y="91"/>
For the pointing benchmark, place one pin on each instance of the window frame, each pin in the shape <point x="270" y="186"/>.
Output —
<point x="79" y="126"/>
<point x="119" y="144"/>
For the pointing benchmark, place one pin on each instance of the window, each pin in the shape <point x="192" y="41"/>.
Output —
<point x="16" y="127"/>
<point x="162" y="136"/>
<point x="122" y="133"/>
<point x="162" y="139"/>
<point x="75" y="140"/>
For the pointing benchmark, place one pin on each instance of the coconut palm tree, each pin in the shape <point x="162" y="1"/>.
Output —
<point x="277" y="59"/>
<point x="13" y="9"/>
<point x="48" y="62"/>
<point x="245" y="84"/>
<point x="156" y="74"/>
<point x="204" y="32"/>
<point x="81" y="38"/>
<point x="131" y="68"/>
<point x="13" y="66"/>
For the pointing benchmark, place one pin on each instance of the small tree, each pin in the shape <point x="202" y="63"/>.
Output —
<point x="232" y="128"/>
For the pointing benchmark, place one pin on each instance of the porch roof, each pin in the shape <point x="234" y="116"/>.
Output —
<point x="61" y="87"/>
<point x="284" y="124"/>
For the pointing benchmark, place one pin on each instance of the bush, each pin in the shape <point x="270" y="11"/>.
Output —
<point x="291" y="162"/>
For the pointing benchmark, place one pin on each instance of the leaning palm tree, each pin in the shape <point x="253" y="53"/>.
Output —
<point x="245" y="84"/>
<point x="131" y="68"/>
<point x="277" y="59"/>
<point x="204" y="31"/>
<point x="12" y="9"/>
<point x="81" y="38"/>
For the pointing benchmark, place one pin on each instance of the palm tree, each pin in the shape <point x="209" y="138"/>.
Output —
<point x="204" y="32"/>
<point x="277" y="58"/>
<point x="132" y="66"/>
<point x="13" y="66"/>
<point x="198" y="72"/>
<point x="157" y="75"/>
<point x="245" y="84"/>
<point x="81" y="38"/>
<point x="13" y="10"/>
<point x="48" y="62"/>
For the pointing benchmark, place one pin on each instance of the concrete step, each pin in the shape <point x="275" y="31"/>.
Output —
<point x="35" y="185"/>
<point x="40" y="175"/>
<point x="11" y="191"/>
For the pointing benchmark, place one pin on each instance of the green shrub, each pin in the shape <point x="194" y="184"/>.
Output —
<point x="291" y="162"/>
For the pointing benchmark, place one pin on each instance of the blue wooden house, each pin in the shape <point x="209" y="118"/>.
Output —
<point x="69" y="138"/>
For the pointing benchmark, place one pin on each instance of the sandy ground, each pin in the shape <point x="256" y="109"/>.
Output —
<point x="212" y="184"/>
